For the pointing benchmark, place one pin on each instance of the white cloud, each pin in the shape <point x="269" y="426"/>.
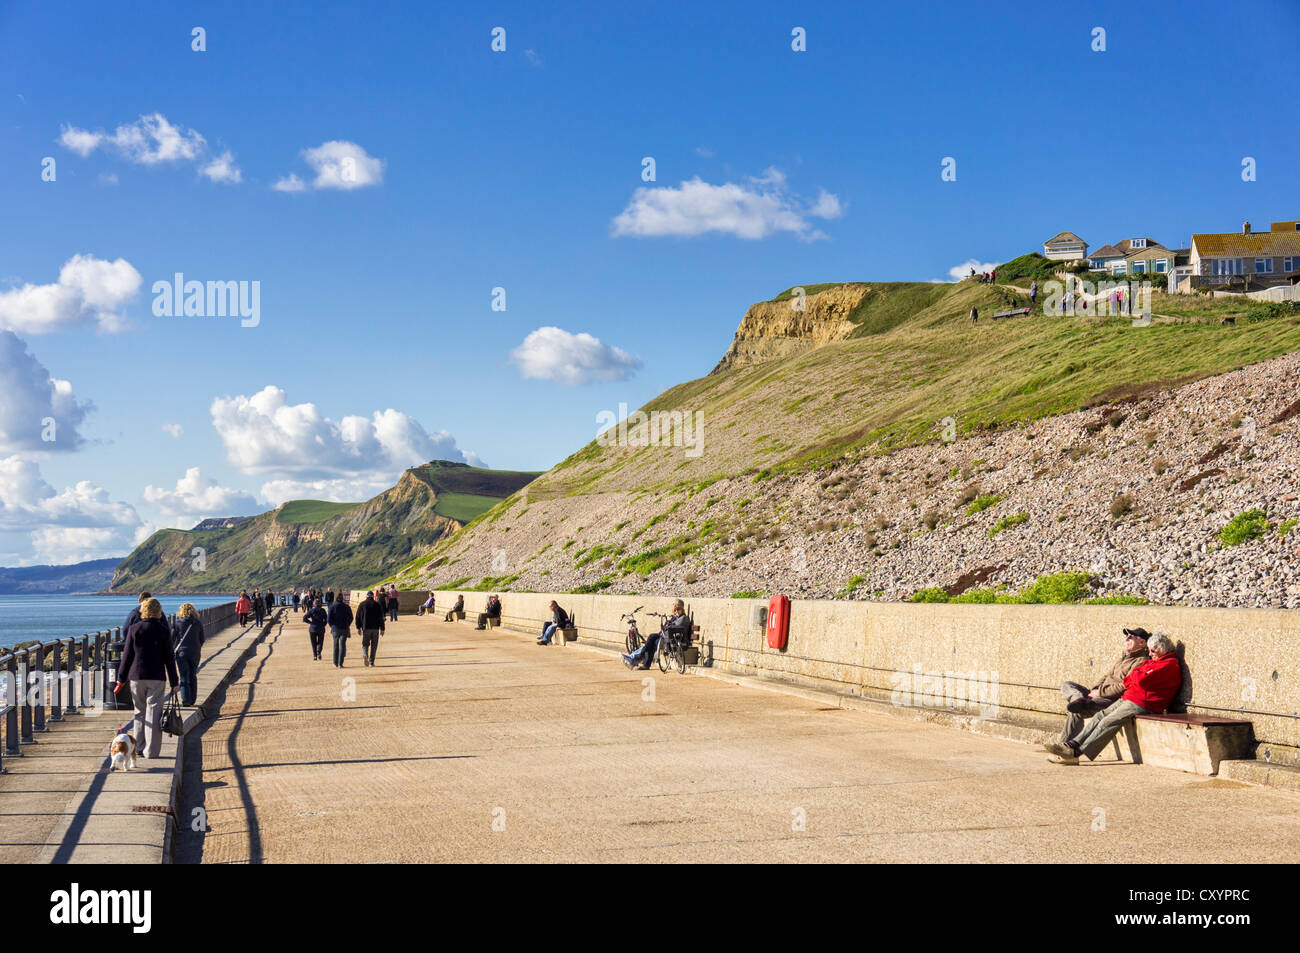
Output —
<point x="223" y="169"/>
<point x="35" y="404"/>
<point x="761" y="207"/>
<point x="554" y="354"/>
<point x="342" y="490"/>
<point x="107" y="178"/>
<point x="704" y="151"/>
<point x="89" y="290"/>
<point x="196" y="497"/>
<point x="290" y="183"/>
<point x="533" y="58"/>
<point x="266" y="434"/>
<point x="338" y="165"/>
<point x="152" y="140"/>
<point x="39" y="525"/>
<point x="958" y="272"/>
<point x="175" y="430"/>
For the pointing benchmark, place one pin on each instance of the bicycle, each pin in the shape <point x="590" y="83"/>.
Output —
<point x="634" y="638"/>
<point x="671" y="650"/>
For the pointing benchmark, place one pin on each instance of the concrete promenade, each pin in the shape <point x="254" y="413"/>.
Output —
<point x="59" y="803"/>
<point x="481" y="746"/>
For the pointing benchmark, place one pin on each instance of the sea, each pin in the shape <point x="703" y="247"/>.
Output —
<point x="48" y="617"/>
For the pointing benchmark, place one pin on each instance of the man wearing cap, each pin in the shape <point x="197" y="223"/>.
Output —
<point x="1148" y="690"/>
<point x="1081" y="703"/>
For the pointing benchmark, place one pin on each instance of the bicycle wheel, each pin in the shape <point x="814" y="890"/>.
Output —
<point x="633" y="642"/>
<point x="679" y="656"/>
<point x="662" y="655"/>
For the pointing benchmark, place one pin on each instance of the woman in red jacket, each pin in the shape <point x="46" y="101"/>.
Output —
<point x="1148" y="690"/>
<point x="243" y="606"/>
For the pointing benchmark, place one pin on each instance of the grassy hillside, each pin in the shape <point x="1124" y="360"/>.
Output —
<point x="315" y="542"/>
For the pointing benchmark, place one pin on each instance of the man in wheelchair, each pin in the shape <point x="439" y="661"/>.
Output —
<point x="678" y="625"/>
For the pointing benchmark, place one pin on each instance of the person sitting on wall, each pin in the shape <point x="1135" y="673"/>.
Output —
<point x="679" y="622"/>
<point x="493" y="611"/>
<point x="1148" y="690"/>
<point x="1081" y="703"/>
<point x="458" y="608"/>
<point x="426" y="605"/>
<point x="559" y="620"/>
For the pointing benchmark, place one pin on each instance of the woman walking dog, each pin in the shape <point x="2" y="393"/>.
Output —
<point x="146" y="658"/>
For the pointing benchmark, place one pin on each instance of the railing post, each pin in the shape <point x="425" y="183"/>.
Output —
<point x="38" y="714"/>
<point x="83" y="673"/>
<point x="12" y="743"/>
<point x="56" y="672"/>
<point x="70" y="702"/>
<point x="24" y="693"/>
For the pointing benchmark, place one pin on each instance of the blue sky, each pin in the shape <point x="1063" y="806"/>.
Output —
<point x="470" y="169"/>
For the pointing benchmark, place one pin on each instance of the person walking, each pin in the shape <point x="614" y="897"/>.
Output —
<point x="329" y="597"/>
<point x="340" y="620"/>
<point x="133" y="616"/>
<point x="974" y="315"/>
<point x="1033" y="293"/>
<point x="316" y="618"/>
<point x="243" y="606"/>
<point x="259" y="607"/>
<point x="392" y="603"/>
<point x="297" y="598"/>
<point x="187" y="640"/>
<point x="370" y="623"/>
<point x="270" y="602"/>
<point x="146" y="658"/>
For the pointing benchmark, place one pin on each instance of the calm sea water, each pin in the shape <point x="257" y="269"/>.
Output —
<point x="23" y="618"/>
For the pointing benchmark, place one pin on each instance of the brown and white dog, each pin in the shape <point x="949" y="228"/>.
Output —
<point x="122" y="752"/>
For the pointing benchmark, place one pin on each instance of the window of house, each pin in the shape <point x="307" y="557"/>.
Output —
<point x="1226" y="266"/>
<point x="1139" y="268"/>
<point x="1263" y="266"/>
<point x="1162" y="265"/>
<point x="1138" y="243"/>
<point x="1289" y="265"/>
<point x="1119" y="268"/>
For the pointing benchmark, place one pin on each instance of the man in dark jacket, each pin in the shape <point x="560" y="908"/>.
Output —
<point x="133" y="616"/>
<point x="1084" y="702"/>
<point x="370" y="623"/>
<point x="458" y="608"/>
<point x="340" y="619"/>
<point x="493" y="611"/>
<point x="316" y="620"/>
<point x="679" y="623"/>
<point x="270" y="602"/>
<point x="259" y="606"/>
<point x="296" y="600"/>
<point x="559" y="621"/>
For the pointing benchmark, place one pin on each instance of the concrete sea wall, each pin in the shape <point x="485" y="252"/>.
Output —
<point x="1004" y="661"/>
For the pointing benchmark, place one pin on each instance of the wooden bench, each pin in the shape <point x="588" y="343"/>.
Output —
<point x="1193" y="743"/>
<point x="492" y="623"/>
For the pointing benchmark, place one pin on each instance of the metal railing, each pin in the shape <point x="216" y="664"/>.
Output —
<point x="45" y="682"/>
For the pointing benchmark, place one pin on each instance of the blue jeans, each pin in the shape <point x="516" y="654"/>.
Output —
<point x="392" y="611"/>
<point x="643" y="656"/>
<point x="340" y="644"/>
<point x="187" y="666"/>
<point x="548" y="630"/>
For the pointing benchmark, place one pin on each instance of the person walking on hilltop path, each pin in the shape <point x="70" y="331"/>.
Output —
<point x="340" y="620"/>
<point x="370" y="623"/>
<point x="316" y="619"/>
<point x="187" y="640"/>
<point x="146" y="658"/>
<point x="243" y="606"/>
<point x="1033" y="293"/>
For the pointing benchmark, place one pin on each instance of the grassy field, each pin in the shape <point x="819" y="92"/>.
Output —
<point x="464" y="507"/>
<point x="313" y="511"/>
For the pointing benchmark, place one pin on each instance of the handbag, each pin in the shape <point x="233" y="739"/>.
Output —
<point x="171" y="721"/>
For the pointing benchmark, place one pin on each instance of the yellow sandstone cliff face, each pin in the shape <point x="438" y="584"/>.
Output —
<point x="773" y="329"/>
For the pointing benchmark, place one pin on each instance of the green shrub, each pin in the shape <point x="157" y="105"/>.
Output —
<point x="981" y="503"/>
<point x="1120" y="600"/>
<point x="1286" y="526"/>
<point x="929" y="594"/>
<point x="747" y="594"/>
<point x="1007" y="522"/>
<point x="1058" y="588"/>
<point x="1244" y="527"/>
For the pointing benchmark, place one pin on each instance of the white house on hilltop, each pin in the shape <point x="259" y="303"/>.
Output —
<point x="1066" y="246"/>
